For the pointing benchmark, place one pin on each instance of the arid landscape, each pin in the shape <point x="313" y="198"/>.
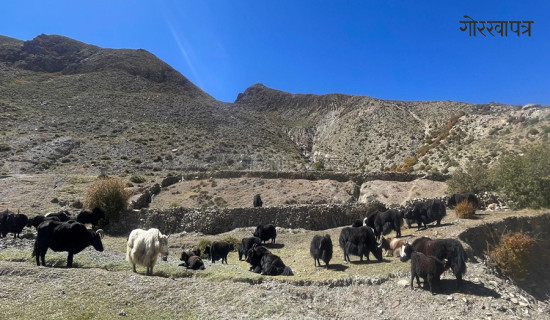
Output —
<point x="70" y="112"/>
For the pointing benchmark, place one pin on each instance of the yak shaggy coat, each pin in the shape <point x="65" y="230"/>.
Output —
<point x="144" y="246"/>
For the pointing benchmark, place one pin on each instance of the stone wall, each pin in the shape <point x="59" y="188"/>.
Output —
<point x="214" y="221"/>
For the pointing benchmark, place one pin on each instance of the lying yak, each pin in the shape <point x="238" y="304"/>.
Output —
<point x="246" y="244"/>
<point x="64" y="236"/>
<point x="264" y="262"/>
<point x="424" y="212"/>
<point x="426" y="267"/>
<point x="450" y="250"/>
<point x="191" y="260"/>
<point x="266" y="232"/>
<point x="321" y="248"/>
<point x="359" y="241"/>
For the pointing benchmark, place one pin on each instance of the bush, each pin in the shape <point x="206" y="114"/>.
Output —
<point x="110" y="195"/>
<point x="474" y="178"/>
<point x="524" y="178"/>
<point x="202" y="244"/>
<point x="465" y="210"/>
<point x="137" y="179"/>
<point x="236" y="242"/>
<point x="317" y="166"/>
<point x="513" y="254"/>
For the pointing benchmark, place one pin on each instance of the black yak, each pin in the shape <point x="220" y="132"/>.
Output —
<point x="450" y="250"/>
<point x="91" y="217"/>
<point x="246" y="244"/>
<point x="357" y="223"/>
<point x="63" y="216"/>
<point x="16" y="223"/>
<point x="264" y="262"/>
<point x="266" y="232"/>
<point x="424" y="212"/>
<point x="426" y="267"/>
<point x="385" y="222"/>
<point x="63" y="236"/>
<point x="37" y="220"/>
<point x="220" y="250"/>
<point x="257" y="202"/>
<point x="191" y="260"/>
<point x="457" y="198"/>
<point x="4" y="226"/>
<point x="359" y="241"/>
<point x="321" y="248"/>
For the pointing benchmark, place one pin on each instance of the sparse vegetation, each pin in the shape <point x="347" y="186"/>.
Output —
<point x="513" y="254"/>
<point x="465" y="210"/>
<point x="110" y="195"/>
<point x="137" y="179"/>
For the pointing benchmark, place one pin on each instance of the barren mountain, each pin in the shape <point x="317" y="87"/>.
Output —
<point x="66" y="106"/>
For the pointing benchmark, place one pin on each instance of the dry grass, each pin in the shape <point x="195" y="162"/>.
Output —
<point x="465" y="210"/>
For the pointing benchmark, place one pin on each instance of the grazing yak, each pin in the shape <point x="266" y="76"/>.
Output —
<point x="424" y="212"/>
<point x="11" y="222"/>
<point x="450" y="250"/>
<point x="359" y="241"/>
<point x="220" y="250"/>
<point x="246" y="244"/>
<point x="257" y="202"/>
<point x="64" y="236"/>
<point x="144" y="247"/>
<point x="191" y="260"/>
<point x="63" y="216"/>
<point x="457" y="198"/>
<point x="37" y="220"/>
<point x="321" y="248"/>
<point x="264" y="262"/>
<point x="266" y="232"/>
<point x="91" y="217"/>
<point x="426" y="267"/>
<point x="384" y="222"/>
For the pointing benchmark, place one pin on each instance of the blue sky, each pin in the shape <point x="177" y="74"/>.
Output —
<point x="402" y="50"/>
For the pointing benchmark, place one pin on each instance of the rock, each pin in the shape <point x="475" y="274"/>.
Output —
<point x="514" y="300"/>
<point x="523" y="304"/>
<point x="403" y="283"/>
<point x="54" y="200"/>
<point x="122" y="313"/>
<point x="395" y="304"/>
<point x="449" y="298"/>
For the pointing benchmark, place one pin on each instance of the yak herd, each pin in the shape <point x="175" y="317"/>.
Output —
<point x="429" y="258"/>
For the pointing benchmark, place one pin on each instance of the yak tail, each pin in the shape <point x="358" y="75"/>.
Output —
<point x="287" y="271"/>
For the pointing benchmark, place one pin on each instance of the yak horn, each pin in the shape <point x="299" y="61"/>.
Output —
<point x="101" y="233"/>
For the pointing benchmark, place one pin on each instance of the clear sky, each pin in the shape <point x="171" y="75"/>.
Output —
<point x="402" y="50"/>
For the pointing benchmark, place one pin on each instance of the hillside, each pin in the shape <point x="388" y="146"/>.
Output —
<point x="70" y="107"/>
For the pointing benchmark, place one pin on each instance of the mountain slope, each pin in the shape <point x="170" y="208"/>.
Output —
<point x="74" y="107"/>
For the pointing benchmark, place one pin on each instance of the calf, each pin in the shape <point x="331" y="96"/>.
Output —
<point x="246" y="244"/>
<point x="266" y="232"/>
<point x="359" y="242"/>
<point x="220" y="250"/>
<point x="428" y="268"/>
<point x="450" y="250"/>
<point x="321" y="248"/>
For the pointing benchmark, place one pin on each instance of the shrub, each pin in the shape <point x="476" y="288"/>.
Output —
<point x="524" y="177"/>
<point x="465" y="210"/>
<point x="202" y="244"/>
<point x="137" y="179"/>
<point x="513" y="254"/>
<point x="236" y="242"/>
<point x="317" y="166"/>
<point x="474" y="178"/>
<point x="110" y="195"/>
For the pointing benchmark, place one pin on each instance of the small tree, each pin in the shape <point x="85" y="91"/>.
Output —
<point x="110" y="195"/>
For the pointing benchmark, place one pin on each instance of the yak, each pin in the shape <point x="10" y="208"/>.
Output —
<point x="63" y="215"/>
<point x="385" y="222"/>
<point x="424" y="212"/>
<point x="264" y="262"/>
<point x="246" y="244"/>
<point x="191" y="260"/>
<point x="266" y="232"/>
<point x="457" y="198"/>
<point x="144" y="247"/>
<point x="426" y="267"/>
<point x="37" y="220"/>
<point x="91" y="217"/>
<point x="4" y="226"/>
<point x="257" y="202"/>
<point x="321" y="248"/>
<point x="359" y="241"/>
<point x="450" y="250"/>
<point x="357" y="223"/>
<point x="64" y="236"/>
<point x="16" y="223"/>
<point x="220" y="250"/>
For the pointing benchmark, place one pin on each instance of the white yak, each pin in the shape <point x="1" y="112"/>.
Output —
<point x="144" y="246"/>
